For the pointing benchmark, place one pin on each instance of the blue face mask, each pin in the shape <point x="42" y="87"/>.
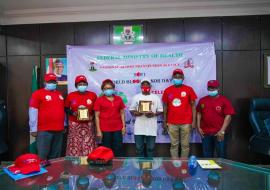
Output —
<point x="108" y="92"/>
<point x="177" y="81"/>
<point x="213" y="93"/>
<point x="50" y="86"/>
<point x="82" y="88"/>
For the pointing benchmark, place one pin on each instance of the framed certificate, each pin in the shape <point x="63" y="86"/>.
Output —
<point x="83" y="114"/>
<point x="144" y="106"/>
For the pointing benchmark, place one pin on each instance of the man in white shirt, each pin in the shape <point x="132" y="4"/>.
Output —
<point x="145" y="128"/>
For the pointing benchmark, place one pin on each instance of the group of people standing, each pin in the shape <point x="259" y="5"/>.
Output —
<point x="106" y="118"/>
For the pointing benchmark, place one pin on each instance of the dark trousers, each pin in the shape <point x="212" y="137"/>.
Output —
<point x="210" y="144"/>
<point x="49" y="144"/>
<point x="150" y="145"/>
<point x="114" y="141"/>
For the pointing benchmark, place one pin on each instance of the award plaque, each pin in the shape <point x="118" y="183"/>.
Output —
<point x="83" y="114"/>
<point x="144" y="106"/>
<point x="146" y="165"/>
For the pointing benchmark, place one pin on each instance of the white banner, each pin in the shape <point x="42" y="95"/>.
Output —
<point x="126" y="65"/>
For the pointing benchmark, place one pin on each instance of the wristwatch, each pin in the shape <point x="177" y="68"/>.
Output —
<point x="222" y="132"/>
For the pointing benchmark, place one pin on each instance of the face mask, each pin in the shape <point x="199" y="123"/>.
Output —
<point x="50" y="86"/>
<point x="145" y="89"/>
<point x="82" y="88"/>
<point x="213" y="93"/>
<point x="177" y="81"/>
<point x="108" y="92"/>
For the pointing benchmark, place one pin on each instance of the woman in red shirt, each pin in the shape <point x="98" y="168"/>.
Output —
<point x="110" y="118"/>
<point x="81" y="134"/>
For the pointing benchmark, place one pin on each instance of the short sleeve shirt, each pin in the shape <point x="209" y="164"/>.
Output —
<point x="109" y="117"/>
<point x="213" y="112"/>
<point x="50" y="105"/>
<point x="143" y="125"/>
<point x="76" y="99"/>
<point x="178" y="100"/>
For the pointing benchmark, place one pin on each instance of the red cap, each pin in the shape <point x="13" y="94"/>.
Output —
<point x="178" y="71"/>
<point x="25" y="164"/>
<point x="80" y="78"/>
<point x="50" y="77"/>
<point x="107" y="81"/>
<point x="102" y="154"/>
<point x="213" y="83"/>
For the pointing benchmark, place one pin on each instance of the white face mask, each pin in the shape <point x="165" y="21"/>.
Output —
<point x="212" y="93"/>
<point x="50" y="86"/>
<point x="82" y="88"/>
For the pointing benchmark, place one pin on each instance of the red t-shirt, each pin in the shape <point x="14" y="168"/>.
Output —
<point x="50" y="105"/>
<point x="179" y="110"/>
<point x="110" y="117"/>
<point x="213" y="111"/>
<point x="76" y="99"/>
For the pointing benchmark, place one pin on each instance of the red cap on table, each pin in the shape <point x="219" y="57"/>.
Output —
<point x="26" y="164"/>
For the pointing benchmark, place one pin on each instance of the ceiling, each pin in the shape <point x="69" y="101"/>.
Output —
<point x="51" y="11"/>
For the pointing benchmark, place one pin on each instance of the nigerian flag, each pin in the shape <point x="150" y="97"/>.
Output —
<point x="33" y="145"/>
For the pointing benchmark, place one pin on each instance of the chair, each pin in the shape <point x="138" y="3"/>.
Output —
<point x="259" y="118"/>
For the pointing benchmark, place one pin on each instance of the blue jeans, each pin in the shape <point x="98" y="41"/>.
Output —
<point x="114" y="141"/>
<point x="210" y="144"/>
<point x="49" y="144"/>
<point x="150" y="145"/>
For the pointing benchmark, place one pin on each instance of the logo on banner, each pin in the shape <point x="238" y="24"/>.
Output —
<point x="176" y="102"/>
<point x="92" y="66"/>
<point x="189" y="63"/>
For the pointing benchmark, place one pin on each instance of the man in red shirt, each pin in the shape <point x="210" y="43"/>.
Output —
<point x="46" y="118"/>
<point x="179" y="113"/>
<point x="213" y="117"/>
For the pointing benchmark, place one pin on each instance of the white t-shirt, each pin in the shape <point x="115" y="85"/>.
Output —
<point x="143" y="125"/>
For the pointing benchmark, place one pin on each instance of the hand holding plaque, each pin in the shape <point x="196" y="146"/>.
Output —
<point x="83" y="113"/>
<point x="145" y="106"/>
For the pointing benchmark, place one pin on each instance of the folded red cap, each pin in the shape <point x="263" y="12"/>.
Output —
<point x="213" y="83"/>
<point x="50" y="77"/>
<point x="80" y="78"/>
<point x="102" y="154"/>
<point x="178" y="71"/>
<point x="25" y="164"/>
